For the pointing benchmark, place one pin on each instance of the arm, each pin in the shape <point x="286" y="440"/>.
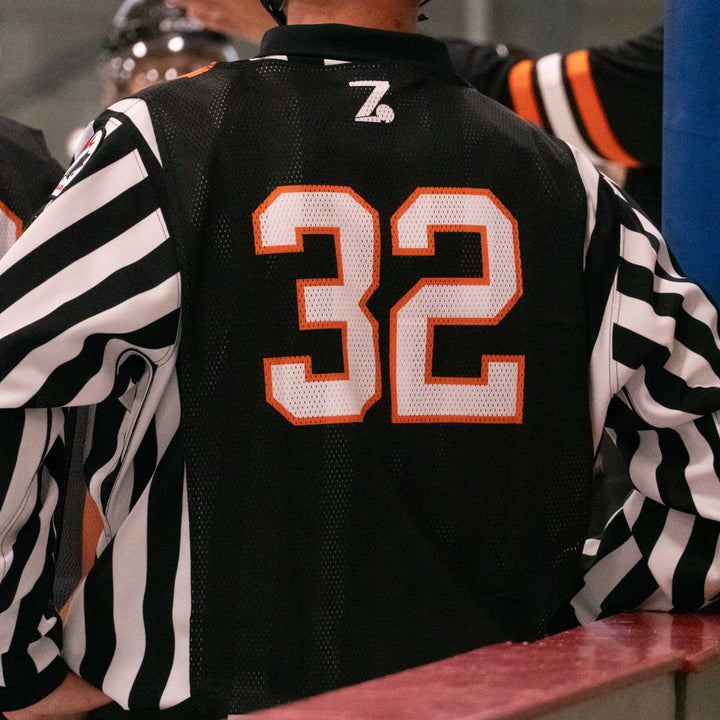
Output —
<point x="606" y="101"/>
<point x="76" y="292"/>
<point x="70" y="701"/>
<point x="487" y="66"/>
<point x="655" y="384"/>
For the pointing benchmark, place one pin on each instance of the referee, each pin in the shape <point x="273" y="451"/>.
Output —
<point x="349" y="334"/>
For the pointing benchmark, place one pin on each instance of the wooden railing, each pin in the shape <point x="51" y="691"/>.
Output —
<point x="638" y="666"/>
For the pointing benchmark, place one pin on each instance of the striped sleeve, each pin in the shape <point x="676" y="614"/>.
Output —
<point x="606" y="101"/>
<point x="655" y="386"/>
<point x="89" y="306"/>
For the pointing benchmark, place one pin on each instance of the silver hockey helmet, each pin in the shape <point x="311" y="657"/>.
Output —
<point x="161" y="41"/>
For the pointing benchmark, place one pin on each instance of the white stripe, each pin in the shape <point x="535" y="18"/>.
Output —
<point x="327" y="61"/>
<point x="111" y="126"/>
<point x="602" y="578"/>
<point x="632" y="507"/>
<point x="122" y="106"/>
<point x="591" y="547"/>
<point x="129" y="569"/>
<point x="77" y="202"/>
<point x="83" y="140"/>
<point x="557" y="106"/>
<point x="697" y="304"/>
<point x="74" y="630"/>
<point x="603" y="369"/>
<point x="639" y="316"/>
<point x="43" y="651"/>
<point x="692" y="367"/>
<point x="118" y="505"/>
<point x="35" y="564"/>
<point x="636" y="249"/>
<point x="17" y="504"/>
<point x="178" y="684"/>
<point x="84" y="274"/>
<point x="7" y="233"/>
<point x="97" y="384"/>
<point x="96" y="480"/>
<point x="712" y="580"/>
<point x="663" y="256"/>
<point x="657" y="602"/>
<point x="644" y="464"/>
<point x="135" y="313"/>
<point x="161" y="402"/>
<point x="138" y="112"/>
<point x="270" y="57"/>
<point x="591" y="181"/>
<point x="649" y="409"/>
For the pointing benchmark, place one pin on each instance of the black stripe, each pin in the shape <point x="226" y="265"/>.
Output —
<point x="38" y="601"/>
<point x="672" y="392"/>
<point x="629" y="215"/>
<point x="601" y="260"/>
<point x="70" y="378"/>
<point x="624" y="419"/>
<point x="108" y="419"/>
<point x="12" y="423"/>
<point x="145" y="274"/>
<point x="27" y="537"/>
<point x="638" y="585"/>
<point x="628" y="443"/>
<point x="706" y="427"/>
<point x="25" y="543"/>
<point x="635" y="350"/>
<point x="538" y="98"/>
<point x="163" y="551"/>
<point x="577" y="116"/>
<point x="75" y="242"/>
<point x="638" y="282"/>
<point x="43" y="684"/>
<point x="306" y="60"/>
<point x="688" y="590"/>
<point x="100" y="638"/>
<point x="649" y="525"/>
<point x="616" y="533"/>
<point x="144" y="462"/>
<point x="665" y="388"/>
<point x="670" y="473"/>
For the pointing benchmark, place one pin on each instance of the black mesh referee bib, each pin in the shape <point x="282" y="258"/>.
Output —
<point x="383" y="367"/>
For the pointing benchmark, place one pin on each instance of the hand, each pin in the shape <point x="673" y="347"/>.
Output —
<point x="246" y="19"/>
<point x="70" y="701"/>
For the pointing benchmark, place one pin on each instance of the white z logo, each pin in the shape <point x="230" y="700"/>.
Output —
<point x="382" y="113"/>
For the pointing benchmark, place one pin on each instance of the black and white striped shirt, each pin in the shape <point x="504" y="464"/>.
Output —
<point x="90" y="310"/>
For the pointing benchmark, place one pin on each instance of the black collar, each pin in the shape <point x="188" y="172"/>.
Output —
<point x="346" y="42"/>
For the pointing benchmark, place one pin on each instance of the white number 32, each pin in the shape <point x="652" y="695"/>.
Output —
<point x="292" y="213"/>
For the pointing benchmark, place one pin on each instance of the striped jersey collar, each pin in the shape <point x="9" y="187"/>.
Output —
<point x="345" y="42"/>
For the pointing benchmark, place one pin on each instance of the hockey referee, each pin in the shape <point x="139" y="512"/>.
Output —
<point x="349" y="333"/>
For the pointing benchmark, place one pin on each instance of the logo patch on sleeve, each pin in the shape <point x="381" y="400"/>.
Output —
<point x="79" y="163"/>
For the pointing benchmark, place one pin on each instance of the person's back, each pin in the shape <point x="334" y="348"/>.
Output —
<point x="432" y="360"/>
<point x="349" y="333"/>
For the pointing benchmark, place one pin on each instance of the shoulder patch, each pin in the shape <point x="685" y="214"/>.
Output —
<point x="79" y="163"/>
